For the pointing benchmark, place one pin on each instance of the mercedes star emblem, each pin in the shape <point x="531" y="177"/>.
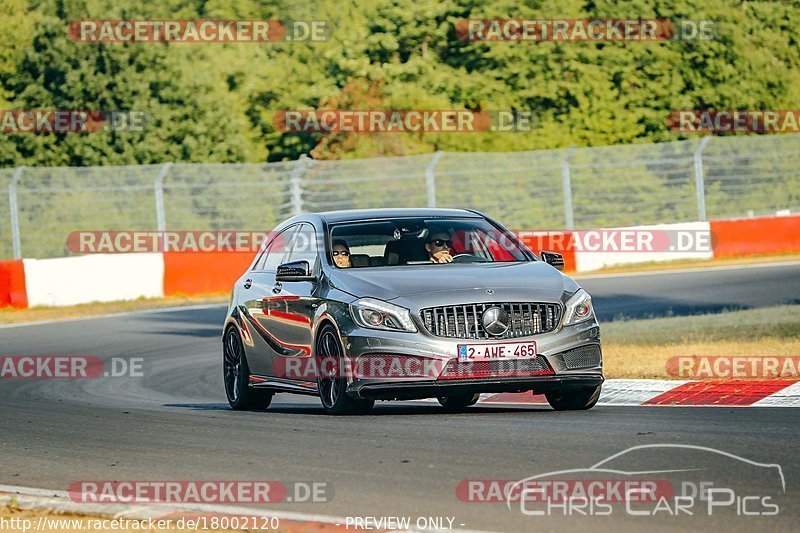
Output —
<point x="495" y="321"/>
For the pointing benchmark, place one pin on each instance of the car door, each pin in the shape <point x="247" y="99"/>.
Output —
<point x="257" y="291"/>
<point x="291" y="309"/>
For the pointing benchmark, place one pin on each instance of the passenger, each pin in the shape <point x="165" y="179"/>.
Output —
<point x="438" y="247"/>
<point x="341" y="254"/>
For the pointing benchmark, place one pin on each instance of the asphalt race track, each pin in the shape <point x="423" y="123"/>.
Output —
<point x="692" y="292"/>
<point x="404" y="460"/>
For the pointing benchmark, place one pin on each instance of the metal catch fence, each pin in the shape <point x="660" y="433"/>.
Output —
<point x="699" y="179"/>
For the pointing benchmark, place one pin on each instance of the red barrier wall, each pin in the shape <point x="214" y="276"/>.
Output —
<point x="215" y="272"/>
<point x="191" y="273"/>
<point x="750" y="236"/>
<point x="12" y="284"/>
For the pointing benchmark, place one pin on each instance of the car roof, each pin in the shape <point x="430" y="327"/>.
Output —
<point x="352" y="215"/>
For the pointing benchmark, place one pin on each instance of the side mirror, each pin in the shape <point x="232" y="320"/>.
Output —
<point x="553" y="259"/>
<point x="295" y="271"/>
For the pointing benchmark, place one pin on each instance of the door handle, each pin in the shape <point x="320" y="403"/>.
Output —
<point x="248" y="283"/>
<point x="277" y="288"/>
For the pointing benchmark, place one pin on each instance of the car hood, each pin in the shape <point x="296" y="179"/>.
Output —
<point x="428" y="285"/>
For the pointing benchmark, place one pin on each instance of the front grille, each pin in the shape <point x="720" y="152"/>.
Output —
<point x="455" y="369"/>
<point x="465" y="321"/>
<point x="583" y="357"/>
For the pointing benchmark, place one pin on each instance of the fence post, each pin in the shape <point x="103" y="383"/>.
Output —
<point x="14" y="210"/>
<point x="699" y="180"/>
<point x="566" y="184"/>
<point x="161" y="219"/>
<point x="295" y="185"/>
<point x="430" y="178"/>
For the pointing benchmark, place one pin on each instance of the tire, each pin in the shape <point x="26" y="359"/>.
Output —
<point x="457" y="403"/>
<point x="236" y="375"/>
<point x="578" y="399"/>
<point x="332" y="388"/>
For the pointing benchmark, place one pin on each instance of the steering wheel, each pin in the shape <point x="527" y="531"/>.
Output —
<point x="466" y="258"/>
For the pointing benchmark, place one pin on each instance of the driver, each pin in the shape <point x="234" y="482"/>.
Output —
<point x="341" y="253"/>
<point x="438" y="247"/>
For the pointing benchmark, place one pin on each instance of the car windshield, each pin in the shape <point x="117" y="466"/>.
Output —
<point x="422" y="241"/>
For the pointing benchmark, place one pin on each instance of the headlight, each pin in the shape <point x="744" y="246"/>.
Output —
<point x="376" y="314"/>
<point x="579" y="308"/>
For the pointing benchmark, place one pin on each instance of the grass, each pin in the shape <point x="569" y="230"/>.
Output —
<point x="641" y="348"/>
<point x="35" y="314"/>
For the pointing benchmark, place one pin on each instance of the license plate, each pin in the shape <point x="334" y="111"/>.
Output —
<point x="496" y="351"/>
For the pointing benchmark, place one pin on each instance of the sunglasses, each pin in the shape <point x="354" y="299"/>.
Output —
<point x="343" y="254"/>
<point x="442" y="242"/>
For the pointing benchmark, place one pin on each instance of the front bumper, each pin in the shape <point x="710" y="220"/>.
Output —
<point x="557" y="349"/>
<point x="433" y="389"/>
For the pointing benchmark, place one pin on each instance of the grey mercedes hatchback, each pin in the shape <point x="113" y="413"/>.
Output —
<point x="402" y="304"/>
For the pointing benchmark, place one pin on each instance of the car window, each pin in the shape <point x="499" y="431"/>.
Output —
<point x="262" y="254"/>
<point x="409" y="241"/>
<point x="304" y="245"/>
<point x="277" y="251"/>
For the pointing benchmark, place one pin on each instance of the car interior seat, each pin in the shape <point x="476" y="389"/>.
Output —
<point x="402" y="251"/>
<point x="359" y="260"/>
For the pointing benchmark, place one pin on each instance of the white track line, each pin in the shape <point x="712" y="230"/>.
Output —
<point x="788" y="397"/>
<point x="692" y="270"/>
<point x="115" y="315"/>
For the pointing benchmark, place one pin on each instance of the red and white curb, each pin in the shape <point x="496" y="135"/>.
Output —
<point x="28" y="498"/>
<point x="668" y="392"/>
